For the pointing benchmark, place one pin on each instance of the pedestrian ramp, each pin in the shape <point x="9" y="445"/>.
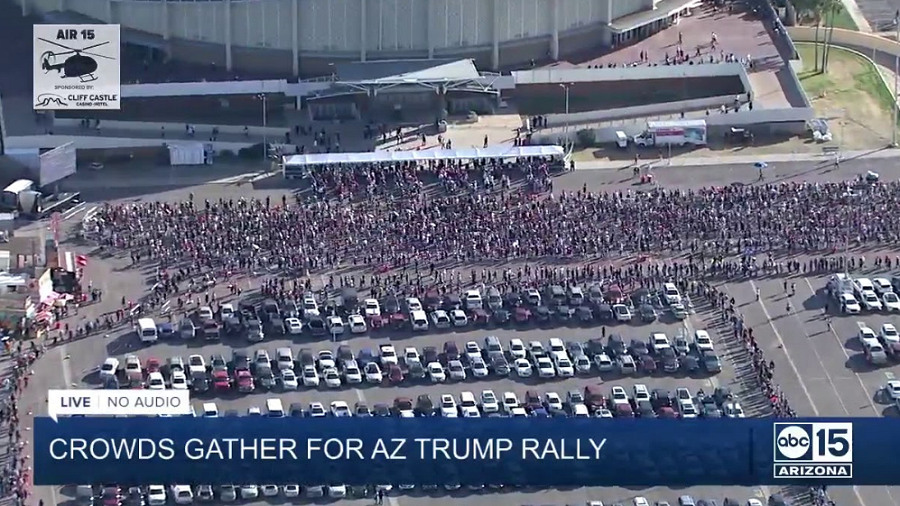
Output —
<point x="246" y="178"/>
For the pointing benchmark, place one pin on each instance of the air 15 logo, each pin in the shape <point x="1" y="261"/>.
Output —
<point x="813" y="450"/>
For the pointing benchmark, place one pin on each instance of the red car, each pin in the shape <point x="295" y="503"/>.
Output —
<point x="221" y="381"/>
<point x="153" y="365"/>
<point x="522" y="314"/>
<point x="667" y="412"/>
<point x="244" y="381"/>
<point x="395" y="375"/>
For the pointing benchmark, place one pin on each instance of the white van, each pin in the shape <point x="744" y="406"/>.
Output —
<point x="419" y="320"/>
<point x="274" y="408"/>
<point x="147" y="330"/>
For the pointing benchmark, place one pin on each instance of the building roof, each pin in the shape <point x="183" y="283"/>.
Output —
<point x="406" y="71"/>
<point x="662" y="10"/>
<point x="423" y="155"/>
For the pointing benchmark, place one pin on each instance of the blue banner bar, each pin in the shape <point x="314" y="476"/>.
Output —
<point x="488" y="451"/>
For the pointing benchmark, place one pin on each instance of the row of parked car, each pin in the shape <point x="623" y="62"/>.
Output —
<point x="247" y="373"/>
<point x="160" y="495"/>
<point x="593" y="401"/>
<point x="348" y="313"/>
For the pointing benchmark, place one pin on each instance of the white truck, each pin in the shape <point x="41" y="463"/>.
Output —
<point x="673" y="133"/>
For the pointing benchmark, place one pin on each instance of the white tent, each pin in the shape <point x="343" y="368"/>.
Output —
<point x="186" y="153"/>
<point x="423" y="155"/>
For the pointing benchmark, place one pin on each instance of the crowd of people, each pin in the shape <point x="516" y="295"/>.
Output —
<point x="384" y="232"/>
<point x="15" y="474"/>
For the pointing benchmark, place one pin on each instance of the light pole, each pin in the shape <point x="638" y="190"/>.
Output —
<point x="565" y="86"/>
<point x="262" y="97"/>
<point x="896" y="82"/>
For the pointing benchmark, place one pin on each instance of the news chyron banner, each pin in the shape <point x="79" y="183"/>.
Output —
<point x="546" y="452"/>
<point x="77" y="67"/>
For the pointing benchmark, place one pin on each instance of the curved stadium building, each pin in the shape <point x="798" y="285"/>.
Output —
<point x="309" y="36"/>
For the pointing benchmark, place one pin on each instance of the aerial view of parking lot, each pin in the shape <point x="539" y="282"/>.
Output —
<point x="380" y="243"/>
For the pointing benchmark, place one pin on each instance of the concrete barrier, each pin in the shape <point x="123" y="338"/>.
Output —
<point x="843" y="37"/>
<point x="643" y="111"/>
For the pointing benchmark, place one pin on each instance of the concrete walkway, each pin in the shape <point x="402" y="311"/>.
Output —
<point x="689" y="161"/>
<point x="857" y="16"/>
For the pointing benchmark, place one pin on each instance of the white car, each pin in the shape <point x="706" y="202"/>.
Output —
<point x="871" y="301"/>
<point x="603" y="362"/>
<point x="892" y="388"/>
<point x="459" y="318"/>
<point x="413" y="304"/>
<point x="865" y="333"/>
<point x="249" y="491"/>
<point x="479" y="368"/>
<point x="626" y="364"/>
<point x="352" y="374"/>
<point x="553" y="401"/>
<point x="448" y="406"/>
<point x="545" y="367"/>
<point x="733" y="410"/>
<point x="471" y="350"/>
<point x="310" y="306"/>
<point x="310" y="376"/>
<point x="317" y="410"/>
<point x="619" y="396"/>
<point x="671" y="293"/>
<point x="891" y="302"/>
<point x="703" y="341"/>
<point x="623" y="314"/>
<point x="641" y="501"/>
<point x="564" y="367"/>
<point x="179" y="380"/>
<point x="582" y="364"/>
<point x="388" y="355"/>
<point x="340" y="409"/>
<point x="373" y="373"/>
<point x="489" y="402"/>
<point x="269" y="490"/>
<point x="294" y="326"/>
<point x="291" y="491"/>
<point x="440" y="319"/>
<point x="156" y="495"/>
<point x="472" y="299"/>
<point x="371" y="307"/>
<point x="411" y="355"/>
<point x="603" y="413"/>
<point x="289" y="380"/>
<point x="337" y="491"/>
<point x="205" y="313"/>
<point x="517" y="349"/>
<point x="510" y="401"/>
<point x="196" y="364"/>
<point x="254" y="411"/>
<point x="687" y="409"/>
<point x="325" y="359"/>
<point x="436" y="373"/>
<point x="659" y="341"/>
<point x="335" y="326"/>
<point x="641" y="393"/>
<point x="849" y="303"/>
<point x="357" y="324"/>
<point x="523" y="368"/>
<point x="456" y="370"/>
<point x="468" y="405"/>
<point x="889" y="333"/>
<point x="210" y="410"/>
<point x="332" y="378"/>
<point x="155" y="381"/>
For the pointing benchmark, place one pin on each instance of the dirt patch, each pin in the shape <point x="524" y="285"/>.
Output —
<point x="851" y="95"/>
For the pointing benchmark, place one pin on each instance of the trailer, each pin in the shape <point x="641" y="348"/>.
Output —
<point x="673" y="133"/>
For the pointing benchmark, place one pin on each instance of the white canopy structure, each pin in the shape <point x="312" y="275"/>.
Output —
<point x="423" y="155"/>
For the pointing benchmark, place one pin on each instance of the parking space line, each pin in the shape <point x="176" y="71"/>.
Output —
<point x="855" y="375"/>
<point x="793" y="365"/>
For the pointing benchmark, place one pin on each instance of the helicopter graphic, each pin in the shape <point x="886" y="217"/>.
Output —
<point x="77" y="65"/>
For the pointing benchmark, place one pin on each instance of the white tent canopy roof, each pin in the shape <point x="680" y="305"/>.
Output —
<point x="423" y="155"/>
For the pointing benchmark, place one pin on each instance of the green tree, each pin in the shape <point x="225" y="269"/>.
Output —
<point x="812" y="9"/>
<point x="831" y="8"/>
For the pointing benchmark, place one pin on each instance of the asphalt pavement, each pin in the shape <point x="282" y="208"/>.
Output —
<point x="818" y="369"/>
